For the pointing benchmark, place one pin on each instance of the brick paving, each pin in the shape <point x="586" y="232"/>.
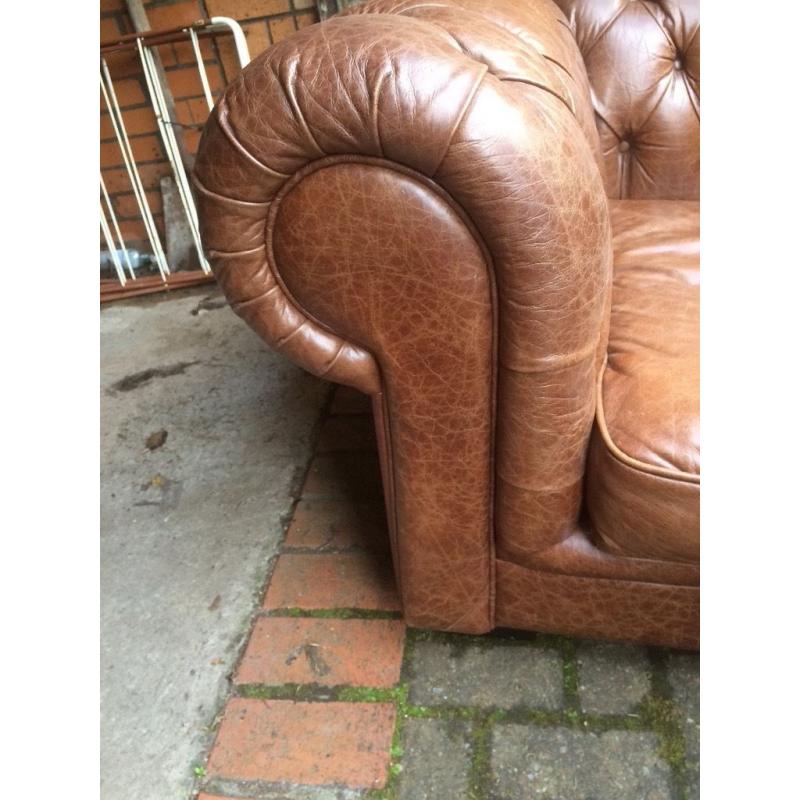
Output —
<point x="334" y="698"/>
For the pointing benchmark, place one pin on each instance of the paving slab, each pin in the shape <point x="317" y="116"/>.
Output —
<point x="188" y="527"/>
<point x="436" y="760"/>
<point x="492" y="674"/>
<point x="612" y="678"/>
<point x="683" y="672"/>
<point x="567" y="764"/>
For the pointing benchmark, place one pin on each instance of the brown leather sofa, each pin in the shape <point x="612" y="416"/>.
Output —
<point x="484" y="214"/>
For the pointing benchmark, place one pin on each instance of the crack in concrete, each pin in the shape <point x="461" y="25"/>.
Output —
<point x="137" y="379"/>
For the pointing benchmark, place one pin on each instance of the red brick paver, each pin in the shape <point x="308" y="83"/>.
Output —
<point x="341" y="580"/>
<point x="330" y="652"/>
<point x="307" y="743"/>
<point x="336" y="556"/>
<point x="206" y="796"/>
<point x="338" y="524"/>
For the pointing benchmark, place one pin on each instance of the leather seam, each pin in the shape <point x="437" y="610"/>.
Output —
<point x="603" y="32"/>
<point x="595" y="579"/>
<point x="225" y="198"/>
<point x="657" y="562"/>
<point x="546" y="568"/>
<point x="634" y="463"/>
<point x="456" y="125"/>
<point x="227" y="129"/>
<point x="622" y="552"/>
<point x="506" y="30"/>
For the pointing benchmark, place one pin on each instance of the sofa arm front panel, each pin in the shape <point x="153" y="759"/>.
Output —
<point x="386" y="211"/>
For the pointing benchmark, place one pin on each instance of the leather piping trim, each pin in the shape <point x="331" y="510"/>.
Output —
<point x="336" y="160"/>
<point x="225" y="198"/>
<point x="226" y="127"/>
<point x="614" y="449"/>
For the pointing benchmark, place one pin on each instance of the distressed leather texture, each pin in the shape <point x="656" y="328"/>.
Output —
<point x="432" y="335"/>
<point x="643" y="62"/>
<point x="643" y="482"/>
<point x="414" y="199"/>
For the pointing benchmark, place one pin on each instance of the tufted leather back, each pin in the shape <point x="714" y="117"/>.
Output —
<point x="525" y="43"/>
<point x="643" y="62"/>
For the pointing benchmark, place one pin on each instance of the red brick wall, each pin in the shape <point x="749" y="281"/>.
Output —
<point x="264" y="22"/>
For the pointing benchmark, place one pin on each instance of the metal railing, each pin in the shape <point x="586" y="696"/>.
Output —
<point x="144" y="44"/>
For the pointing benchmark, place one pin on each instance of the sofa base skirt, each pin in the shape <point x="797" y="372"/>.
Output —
<point x="597" y="608"/>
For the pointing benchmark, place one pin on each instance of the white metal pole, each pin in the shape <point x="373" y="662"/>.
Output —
<point x="171" y="147"/>
<point x="201" y="68"/>
<point x="112" y="250"/>
<point x="170" y="144"/>
<point x="130" y="165"/>
<point x="116" y="227"/>
<point x="182" y="181"/>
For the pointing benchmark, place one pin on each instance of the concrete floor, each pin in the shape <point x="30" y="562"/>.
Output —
<point x="187" y="529"/>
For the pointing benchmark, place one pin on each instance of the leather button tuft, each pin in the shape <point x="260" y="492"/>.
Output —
<point x="624" y="146"/>
<point x="678" y="63"/>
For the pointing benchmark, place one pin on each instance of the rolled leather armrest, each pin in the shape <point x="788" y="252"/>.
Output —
<point x="396" y="206"/>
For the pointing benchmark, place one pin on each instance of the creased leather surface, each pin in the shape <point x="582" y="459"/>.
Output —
<point x="643" y="61"/>
<point x="431" y="329"/>
<point x="579" y="555"/>
<point x="648" y="613"/>
<point x="643" y="482"/>
<point x="511" y="154"/>
<point x="407" y="199"/>
<point x="525" y="42"/>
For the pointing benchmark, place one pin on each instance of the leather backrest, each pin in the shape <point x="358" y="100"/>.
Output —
<point x="643" y="62"/>
<point x="526" y="43"/>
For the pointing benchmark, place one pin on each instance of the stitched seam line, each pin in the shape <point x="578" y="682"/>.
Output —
<point x="676" y="586"/>
<point x="225" y="198"/>
<point x="227" y="129"/>
<point x="473" y="92"/>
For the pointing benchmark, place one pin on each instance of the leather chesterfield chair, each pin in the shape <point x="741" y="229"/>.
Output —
<point x="483" y="213"/>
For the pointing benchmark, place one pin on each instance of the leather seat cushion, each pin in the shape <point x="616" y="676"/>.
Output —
<point x="643" y="477"/>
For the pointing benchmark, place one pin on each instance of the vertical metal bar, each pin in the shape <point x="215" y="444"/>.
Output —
<point x="168" y="135"/>
<point x="182" y="181"/>
<point x="112" y="250"/>
<point x="133" y="173"/>
<point x="160" y="108"/>
<point x="130" y="165"/>
<point x="201" y="68"/>
<point x="116" y="227"/>
<point x="141" y="24"/>
<point x="171" y="147"/>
